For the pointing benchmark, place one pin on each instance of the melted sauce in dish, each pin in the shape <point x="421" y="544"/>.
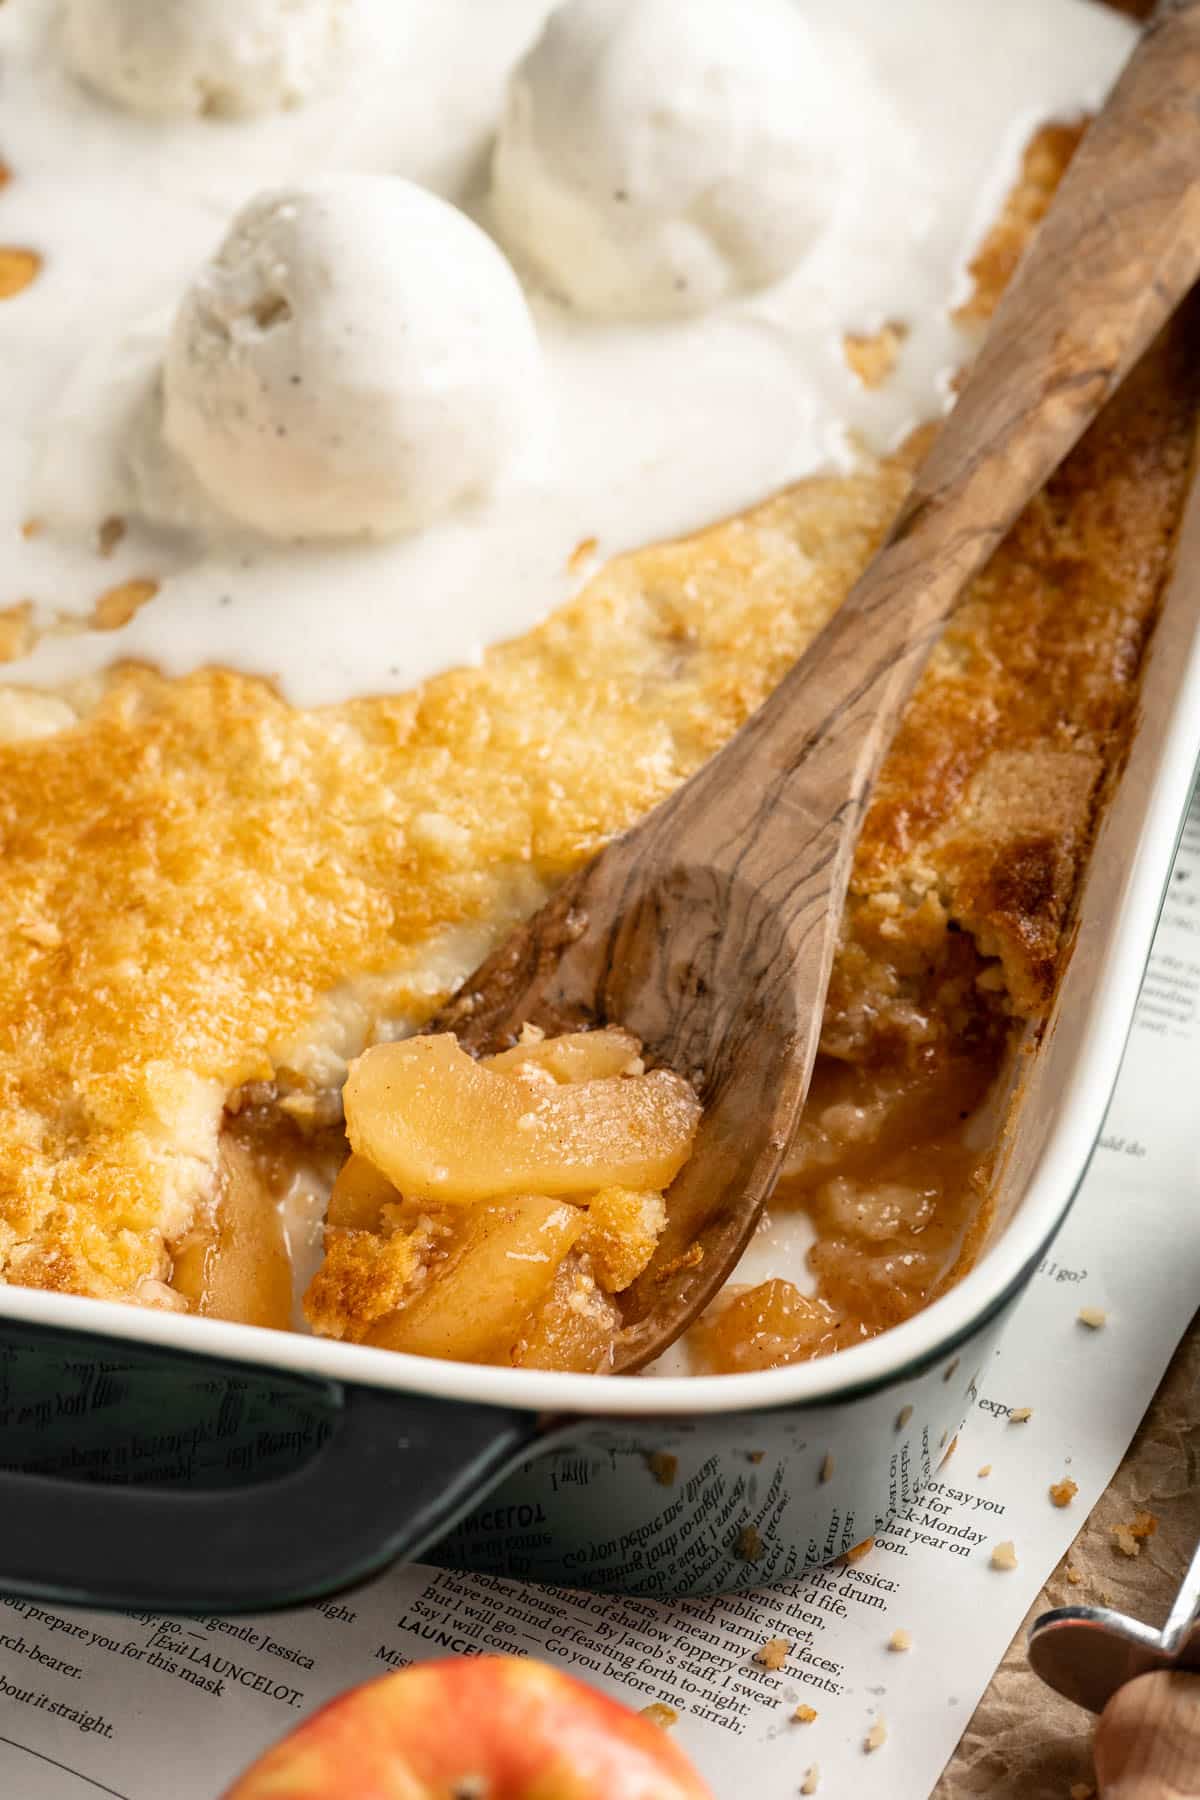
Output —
<point x="655" y="426"/>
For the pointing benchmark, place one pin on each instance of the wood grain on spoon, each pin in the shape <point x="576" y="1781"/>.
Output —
<point x="1148" y="1739"/>
<point x="709" y="929"/>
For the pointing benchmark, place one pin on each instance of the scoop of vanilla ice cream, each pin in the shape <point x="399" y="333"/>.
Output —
<point x="201" y="56"/>
<point x="356" y="358"/>
<point x="658" y="155"/>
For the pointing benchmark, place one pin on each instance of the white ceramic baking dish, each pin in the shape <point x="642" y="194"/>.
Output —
<point x="282" y="1467"/>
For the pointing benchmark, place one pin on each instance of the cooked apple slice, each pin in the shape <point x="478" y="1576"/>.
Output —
<point x="359" y="1196"/>
<point x="472" y="1308"/>
<point x="574" y="1327"/>
<point x="234" y="1263"/>
<point x="448" y="1130"/>
<point x="575" y="1056"/>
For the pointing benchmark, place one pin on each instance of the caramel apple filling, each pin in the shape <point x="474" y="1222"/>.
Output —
<point x="490" y="1210"/>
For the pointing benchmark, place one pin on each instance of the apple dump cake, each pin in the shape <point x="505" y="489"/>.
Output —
<point x="228" y="900"/>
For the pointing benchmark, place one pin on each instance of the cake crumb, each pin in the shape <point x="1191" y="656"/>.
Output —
<point x="1073" y="1575"/>
<point x="17" y="634"/>
<point x="1082" y="1790"/>
<point x="583" y="553"/>
<point x="1130" y="1536"/>
<point x="531" y="1033"/>
<point x="903" y="1416"/>
<point x="18" y="267"/>
<point x="31" y="528"/>
<point x="873" y="355"/>
<point x="1094" y="1317"/>
<point x="876" y="1737"/>
<point x="774" y="1653"/>
<point x="804" y="1715"/>
<point x="1063" y="1492"/>
<point x="1004" y="1555"/>
<point x="900" y="1639"/>
<point x="748" y="1544"/>
<point x="755" y="1456"/>
<point x="1017" y="1415"/>
<point x="985" y="1471"/>
<point x="856" y="1552"/>
<point x="109" y="534"/>
<point x="827" y="1466"/>
<point x="117" y="605"/>
<point x="660" y="1714"/>
<point x="811" y="1779"/>
<point x="663" y="1466"/>
<point x="951" y="1447"/>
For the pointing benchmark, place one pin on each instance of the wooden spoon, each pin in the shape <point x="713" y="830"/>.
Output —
<point x="709" y="929"/>
<point x="1148" y="1739"/>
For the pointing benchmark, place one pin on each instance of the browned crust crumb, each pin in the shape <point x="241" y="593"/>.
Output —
<point x="856" y="1552"/>
<point x="118" y="605"/>
<point x="1020" y="1415"/>
<point x="582" y="554"/>
<point x="985" y="1471"/>
<point x="1073" y="1575"/>
<point x="1131" y="1536"/>
<point x="872" y="356"/>
<point x="660" y="1714"/>
<point x="18" y="268"/>
<point x="109" y="534"/>
<point x="774" y="1653"/>
<point x="900" y="1639"/>
<point x="748" y="1545"/>
<point x="805" y="1714"/>
<point x="663" y="1466"/>
<point x="1063" y="1492"/>
<point x="17" y="633"/>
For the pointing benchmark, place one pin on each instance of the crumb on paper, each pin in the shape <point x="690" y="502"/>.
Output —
<point x="18" y="268"/>
<point x="876" y="1737"/>
<point x="17" y="635"/>
<point x="873" y="355"/>
<point x="660" y="1714"/>
<point x="952" y="1367"/>
<point x="755" y="1456"/>
<point x="583" y="552"/>
<point x="748" y="1544"/>
<point x="827" y="1466"/>
<point x="5" y="173"/>
<point x="663" y="1466"/>
<point x="951" y="1447"/>
<point x="117" y="605"/>
<point x="985" y="1471"/>
<point x="1017" y="1415"/>
<point x="903" y="1416"/>
<point x="31" y="528"/>
<point x="811" y="1780"/>
<point x="1094" y="1317"/>
<point x="856" y="1552"/>
<point x="900" y="1639"/>
<point x="774" y="1653"/>
<point x="1004" y="1555"/>
<point x="804" y="1714"/>
<point x="1073" y="1575"/>
<point x="1063" y="1492"/>
<point x="1130" y="1536"/>
<point x="109" y="534"/>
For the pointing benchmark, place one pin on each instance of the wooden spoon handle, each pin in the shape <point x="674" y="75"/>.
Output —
<point x="1117" y="252"/>
<point x="1148" y="1740"/>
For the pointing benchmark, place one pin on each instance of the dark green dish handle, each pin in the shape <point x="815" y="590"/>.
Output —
<point x="395" y="1472"/>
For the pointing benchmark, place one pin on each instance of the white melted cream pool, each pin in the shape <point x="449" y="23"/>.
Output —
<point x="658" y="428"/>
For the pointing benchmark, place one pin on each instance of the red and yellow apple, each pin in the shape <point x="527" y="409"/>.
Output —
<point x="474" y="1728"/>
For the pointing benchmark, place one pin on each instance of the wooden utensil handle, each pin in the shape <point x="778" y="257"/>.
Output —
<point x="1148" y="1740"/>
<point x="1117" y="251"/>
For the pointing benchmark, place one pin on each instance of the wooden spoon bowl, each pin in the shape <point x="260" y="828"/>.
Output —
<point x="709" y="929"/>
